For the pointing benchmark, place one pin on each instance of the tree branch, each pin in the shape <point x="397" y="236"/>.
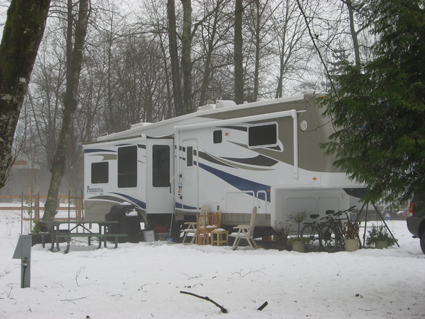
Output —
<point x="224" y="310"/>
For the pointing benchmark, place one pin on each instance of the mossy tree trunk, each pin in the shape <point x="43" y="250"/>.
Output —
<point x="22" y="35"/>
<point x="74" y="61"/>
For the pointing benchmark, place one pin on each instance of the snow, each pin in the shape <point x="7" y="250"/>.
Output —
<point x="144" y="280"/>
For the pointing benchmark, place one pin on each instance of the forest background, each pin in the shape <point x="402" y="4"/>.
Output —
<point x="149" y="60"/>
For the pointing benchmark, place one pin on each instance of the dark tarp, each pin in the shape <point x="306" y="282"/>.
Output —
<point x="128" y="224"/>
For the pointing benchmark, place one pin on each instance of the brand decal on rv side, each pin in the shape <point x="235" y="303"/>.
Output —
<point x="94" y="190"/>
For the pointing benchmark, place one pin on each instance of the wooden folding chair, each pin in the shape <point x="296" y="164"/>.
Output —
<point x="215" y="222"/>
<point x="202" y="222"/>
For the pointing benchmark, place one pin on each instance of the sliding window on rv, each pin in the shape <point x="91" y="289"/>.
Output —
<point x="99" y="173"/>
<point x="262" y="135"/>
<point x="127" y="166"/>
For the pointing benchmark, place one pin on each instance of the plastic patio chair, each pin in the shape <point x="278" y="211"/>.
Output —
<point x="245" y="232"/>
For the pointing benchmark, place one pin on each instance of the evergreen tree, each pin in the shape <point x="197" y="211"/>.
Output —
<point x="379" y="110"/>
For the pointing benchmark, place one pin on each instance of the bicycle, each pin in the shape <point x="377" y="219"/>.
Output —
<point x="332" y="232"/>
<point x="311" y="230"/>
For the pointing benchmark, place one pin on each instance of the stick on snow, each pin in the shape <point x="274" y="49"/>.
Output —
<point x="264" y="305"/>
<point x="224" y="310"/>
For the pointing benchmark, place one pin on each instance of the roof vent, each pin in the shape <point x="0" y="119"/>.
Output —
<point x="224" y="103"/>
<point x="141" y="124"/>
<point x="206" y="107"/>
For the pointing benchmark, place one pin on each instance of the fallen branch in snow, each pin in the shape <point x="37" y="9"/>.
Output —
<point x="224" y="310"/>
<point x="192" y="277"/>
<point x="10" y="291"/>
<point x="78" y="274"/>
<point x="72" y="300"/>
<point x="264" y="305"/>
<point x="249" y="272"/>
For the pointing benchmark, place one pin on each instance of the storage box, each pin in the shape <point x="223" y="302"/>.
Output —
<point x="148" y="235"/>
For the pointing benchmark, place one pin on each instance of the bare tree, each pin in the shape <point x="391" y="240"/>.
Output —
<point x="215" y="38"/>
<point x="45" y="97"/>
<point x="74" y="62"/>
<point x="22" y="35"/>
<point x="292" y="51"/>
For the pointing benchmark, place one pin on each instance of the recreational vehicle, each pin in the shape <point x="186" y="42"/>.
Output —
<point x="230" y="157"/>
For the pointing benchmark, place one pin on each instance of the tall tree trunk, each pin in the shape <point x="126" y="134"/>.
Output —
<point x="257" y="27"/>
<point x="22" y="35"/>
<point x="175" y="73"/>
<point x="238" y="57"/>
<point x="70" y="105"/>
<point x="109" y="124"/>
<point x="353" y="32"/>
<point x="168" y="112"/>
<point x="186" y="58"/>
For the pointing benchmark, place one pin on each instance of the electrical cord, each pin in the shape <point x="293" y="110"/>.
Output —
<point x="25" y="264"/>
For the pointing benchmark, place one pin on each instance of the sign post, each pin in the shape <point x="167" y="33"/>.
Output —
<point x="23" y="252"/>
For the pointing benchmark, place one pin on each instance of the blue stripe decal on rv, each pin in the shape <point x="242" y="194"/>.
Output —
<point x="179" y="205"/>
<point x="92" y="150"/>
<point x="238" y="182"/>
<point x="139" y="203"/>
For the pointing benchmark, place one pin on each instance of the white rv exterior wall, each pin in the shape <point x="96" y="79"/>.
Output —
<point x="229" y="176"/>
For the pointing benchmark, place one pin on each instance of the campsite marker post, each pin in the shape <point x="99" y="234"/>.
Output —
<point x="23" y="252"/>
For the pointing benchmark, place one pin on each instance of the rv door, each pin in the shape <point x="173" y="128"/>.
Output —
<point x="189" y="170"/>
<point x="159" y="171"/>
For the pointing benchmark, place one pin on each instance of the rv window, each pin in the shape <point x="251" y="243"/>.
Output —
<point x="161" y="166"/>
<point x="217" y="137"/>
<point x="189" y="156"/>
<point x="127" y="166"/>
<point x="99" y="172"/>
<point x="262" y="135"/>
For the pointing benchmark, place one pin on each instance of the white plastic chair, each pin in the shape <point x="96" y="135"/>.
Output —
<point x="245" y="232"/>
<point x="191" y="229"/>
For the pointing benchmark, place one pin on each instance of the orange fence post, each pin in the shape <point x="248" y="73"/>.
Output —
<point x="37" y="207"/>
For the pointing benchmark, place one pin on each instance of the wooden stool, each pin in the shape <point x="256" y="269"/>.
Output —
<point x="222" y="237"/>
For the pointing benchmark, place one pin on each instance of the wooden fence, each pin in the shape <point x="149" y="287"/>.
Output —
<point x="31" y="205"/>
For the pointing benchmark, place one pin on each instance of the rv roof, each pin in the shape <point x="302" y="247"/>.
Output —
<point x="206" y="110"/>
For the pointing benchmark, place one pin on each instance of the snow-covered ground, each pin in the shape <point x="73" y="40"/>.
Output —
<point x="145" y="280"/>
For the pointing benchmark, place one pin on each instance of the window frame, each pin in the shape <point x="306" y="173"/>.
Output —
<point x="215" y="136"/>
<point x="189" y="164"/>
<point x="261" y="145"/>
<point x="127" y="178"/>
<point x="99" y="171"/>
<point x="157" y="173"/>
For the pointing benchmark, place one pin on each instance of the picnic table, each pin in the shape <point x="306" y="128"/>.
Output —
<point x="67" y="233"/>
